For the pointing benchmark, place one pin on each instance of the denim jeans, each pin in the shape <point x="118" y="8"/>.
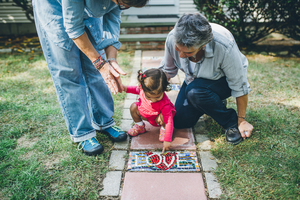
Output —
<point x="84" y="98"/>
<point x="203" y="96"/>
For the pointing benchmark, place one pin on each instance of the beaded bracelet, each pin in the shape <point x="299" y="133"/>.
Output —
<point x="98" y="64"/>
<point x="97" y="60"/>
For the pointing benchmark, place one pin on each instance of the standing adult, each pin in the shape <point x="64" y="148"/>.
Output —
<point x="215" y="69"/>
<point x="84" y="93"/>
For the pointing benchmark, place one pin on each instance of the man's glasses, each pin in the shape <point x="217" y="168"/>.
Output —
<point x="122" y="7"/>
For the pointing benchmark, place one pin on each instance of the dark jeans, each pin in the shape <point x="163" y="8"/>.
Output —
<point x="203" y="96"/>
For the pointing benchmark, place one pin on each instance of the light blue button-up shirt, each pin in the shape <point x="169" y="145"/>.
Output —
<point x="64" y="20"/>
<point x="222" y="58"/>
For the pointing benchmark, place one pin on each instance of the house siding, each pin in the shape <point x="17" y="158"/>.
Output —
<point x="12" y="14"/>
<point x="14" y="21"/>
<point x="187" y="6"/>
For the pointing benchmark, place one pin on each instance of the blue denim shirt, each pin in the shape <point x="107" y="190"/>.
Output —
<point x="64" y="20"/>
<point x="222" y="58"/>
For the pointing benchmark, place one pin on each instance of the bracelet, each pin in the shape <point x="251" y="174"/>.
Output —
<point x="97" y="60"/>
<point x="241" y="117"/>
<point x="111" y="59"/>
<point x="98" y="64"/>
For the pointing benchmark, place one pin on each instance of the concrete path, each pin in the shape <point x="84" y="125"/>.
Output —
<point x="120" y="183"/>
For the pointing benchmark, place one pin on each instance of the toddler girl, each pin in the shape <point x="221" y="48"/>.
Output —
<point x="152" y="101"/>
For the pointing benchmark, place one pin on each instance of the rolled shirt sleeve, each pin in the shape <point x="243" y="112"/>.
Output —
<point x="103" y="20"/>
<point x="168" y="64"/>
<point x="111" y="28"/>
<point x="73" y="13"/>
<point x="234" y="67"/>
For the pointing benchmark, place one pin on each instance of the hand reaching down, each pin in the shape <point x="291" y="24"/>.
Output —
<point x="111" y="74"/>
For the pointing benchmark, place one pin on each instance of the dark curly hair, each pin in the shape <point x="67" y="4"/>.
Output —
<point x="153" y="81"/>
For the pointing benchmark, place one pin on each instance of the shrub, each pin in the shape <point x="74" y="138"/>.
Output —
<point x="250" y="20"/>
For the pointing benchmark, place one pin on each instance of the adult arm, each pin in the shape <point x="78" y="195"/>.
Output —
<point x="73" y="12"/>
<point x="244" y="126"/>
<point x="168" y="64"/>
<point x="73" y="21"/>
<point x="110" y="72"/>
<point x="111" y="32"/>
<point x="111" y="28"/>
<point x="234" y="66"/>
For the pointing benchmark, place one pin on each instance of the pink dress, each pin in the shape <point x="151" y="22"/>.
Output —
<point x="150" y="110"/>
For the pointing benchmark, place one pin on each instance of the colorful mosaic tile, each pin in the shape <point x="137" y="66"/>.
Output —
<point x="156" y="161"/>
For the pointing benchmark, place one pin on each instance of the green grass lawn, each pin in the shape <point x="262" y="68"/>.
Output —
<point x="37" y="158"/>
<point x="266" y="166"/>
<point x="39" y="161"/>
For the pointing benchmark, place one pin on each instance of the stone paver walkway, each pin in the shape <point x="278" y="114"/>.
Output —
<point x="127" y="185"/>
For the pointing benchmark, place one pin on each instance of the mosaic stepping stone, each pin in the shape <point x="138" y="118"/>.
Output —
<point x="156" y="161"/>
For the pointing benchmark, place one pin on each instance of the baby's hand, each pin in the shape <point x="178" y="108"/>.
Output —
<point x="167" y="146"/>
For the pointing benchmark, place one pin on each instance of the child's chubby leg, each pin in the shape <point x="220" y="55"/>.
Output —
<point x="139" y="126"/>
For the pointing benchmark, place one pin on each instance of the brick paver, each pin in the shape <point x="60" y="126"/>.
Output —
<point x="131" y="96"/>
<point x="172" y="96"/>
<point x="111" y="184"/>
<point x="153" y="55"/>
<point x="126" y="124"/>
<point x="183" y="139"/>
<point x="203" y="142"/>
<point x="199" y="128"/>
<point x="126" y="113"/>
<point x="208" y="161"/>
<point x="153" y="186"/>
<point x="214" y="188"/>
<point x="128" y="102"/>
<point x="122" y="145"/>
<point x="150" y="185"/>
<point x="151" y="59"/>
<point x="117" y="160"/>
